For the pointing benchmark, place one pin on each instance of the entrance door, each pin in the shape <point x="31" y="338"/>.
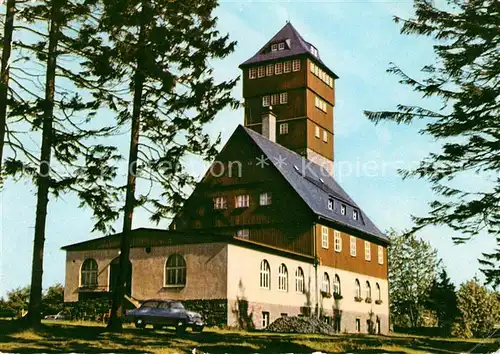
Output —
<point x="113" y="276"/>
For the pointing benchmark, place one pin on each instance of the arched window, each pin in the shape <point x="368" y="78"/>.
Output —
<point x="282" y="278"/>
<point x="357" y="288"/>
<point x="379" y="295"/>
<point x="265" y="275"/>
<point x="325" y="286"/>
<point x="175" y="271"/>
<point x="89" y="273"/>
<point x="368" y="290"/>
<point x="299" y="280"/>
<point x="336" y="285"/>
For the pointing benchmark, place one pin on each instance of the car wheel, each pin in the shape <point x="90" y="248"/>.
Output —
<point x="198" y="328"/>
<point x="140" y="324"/>
<point x="180" y="327"/>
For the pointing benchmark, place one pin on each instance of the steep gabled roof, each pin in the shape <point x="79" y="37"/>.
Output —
<point x="296" y="45"/>
<point x="314" y="185"/>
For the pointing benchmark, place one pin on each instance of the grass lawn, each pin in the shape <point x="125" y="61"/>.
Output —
<point x="85" y="337"/>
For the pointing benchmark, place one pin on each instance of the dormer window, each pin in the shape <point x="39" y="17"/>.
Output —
<point x="355" y="214"/>
<point x="274" y="47"/>
<point x="314" y="51"/>
<point x="330" y="204"/>
<point x="281" y="46"/>
<point x="342" y="209"/>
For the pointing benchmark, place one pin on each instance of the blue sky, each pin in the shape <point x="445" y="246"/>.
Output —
<point x="357" y="40"/>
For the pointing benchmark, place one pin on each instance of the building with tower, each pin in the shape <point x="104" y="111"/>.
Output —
<point x="267" y="232"/>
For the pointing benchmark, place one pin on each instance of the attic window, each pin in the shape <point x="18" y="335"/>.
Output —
<point x="314" y="51"/>
<point x="342" y="209"/>
<point x="355" y="214"/>
<point x="330" y="204"/>
<point x="274" y="47"/>
<point x="281" y="46"/>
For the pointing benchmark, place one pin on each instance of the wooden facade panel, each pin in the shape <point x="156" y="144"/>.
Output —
<point x="318" y="144"/>
<point x="318" y="86"/>
<point x="295" y="107"/>
<point x="273" y="83"/>
<point x="344" y="260"/>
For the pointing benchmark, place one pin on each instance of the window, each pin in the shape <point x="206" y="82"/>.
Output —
<point x="242" y="201"/>
<point x="287" y="66"/>
<point x="282" y="278"/>
<point x="175" y="271"/>
<point x="265" y="274"/>
<point x="252" y="73"/>
<point x="330" y="204"/>
<point x="283" y="128"/>
<point x="325" y="285"/>
<point x="357" y="288"/>
<point x="281" y="46"/>
<point x="274" y="47"/>
<point x="358" y="325"/>
<point x="368" y="255"/>
<point x="324" y="236"/>
<point x="299" y="280"/>
<point x="220" y="203"/>
<point x="342" y="209"/>
<point x="278" y="68"/>
<point x="325" y="136"/>
<point x="284" y="97"/>
<point x="284" y="314"/>
<point x="261" y="71"/>
<point x="337" y="241"/>
<point x="265" y="101"/>
<point x="378" y="293"/>
<point x="380" y="250"/>
<point x="316" y="132"/>
<point x="296" y="65"/>
<point x="336" y="285"/>
<point x="243" y="233"/>
<point x="353" y="246"/>
<point x="265" y="319"/>
<point x="320" y="103"/>
<point x="89" y="273"/>
<point x="270" y="70"/>
<point x="312" y="67"/>
<point x="265" y="198"/>
<point x="355" y="214"/>
<point x="274" y="99"/>
<point x="314" y="51"/>
<point x="368" y="290"/>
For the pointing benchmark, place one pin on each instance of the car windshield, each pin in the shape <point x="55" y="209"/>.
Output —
<point x="176" y="305"/>
<point x="149" y="304"/>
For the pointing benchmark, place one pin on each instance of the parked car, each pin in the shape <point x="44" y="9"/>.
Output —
<point x="61" y="315"/>
<point x="165" y="313"/>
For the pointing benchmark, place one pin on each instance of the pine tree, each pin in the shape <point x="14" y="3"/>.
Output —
<point x="161" y="52"/>
<point x="465" y="78"/>
<point x="443" y="301"/>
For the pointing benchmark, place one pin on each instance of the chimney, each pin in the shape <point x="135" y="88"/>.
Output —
<point x="269" y="124"/>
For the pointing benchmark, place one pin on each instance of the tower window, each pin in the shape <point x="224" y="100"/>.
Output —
<point x="319" y="103"/>
<point x="265" y="101"/>
<point x="316" y="132"/>
<point x="220" y="203"/>
<point x="242" y="201"/>
<point x="284" y="97"/>
<point x="325" y="136"/>
<point x="261" y="71"/>
<point x="265" y="198"/>
<point x="274" y="99"/>
<point x="274" y="47"/>
<point x="287" y="66"/>
<point x="252" y="73"/>
<point x="283" y="128"/>
<point x="281" y="46"/>
<point x="314" y="51"/>
<point x="243" y="233"/>
<point x="296" y="65"/>
<point x="270" y="70"/>
<point x="278" y="68"/>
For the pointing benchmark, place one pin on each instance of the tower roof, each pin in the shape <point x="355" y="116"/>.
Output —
<point x="295" y="45"/>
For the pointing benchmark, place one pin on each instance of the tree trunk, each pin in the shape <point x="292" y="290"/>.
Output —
<point x="4" y="81"/>
<point x="44" y="171"/>
<point x="115" y="321"/>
